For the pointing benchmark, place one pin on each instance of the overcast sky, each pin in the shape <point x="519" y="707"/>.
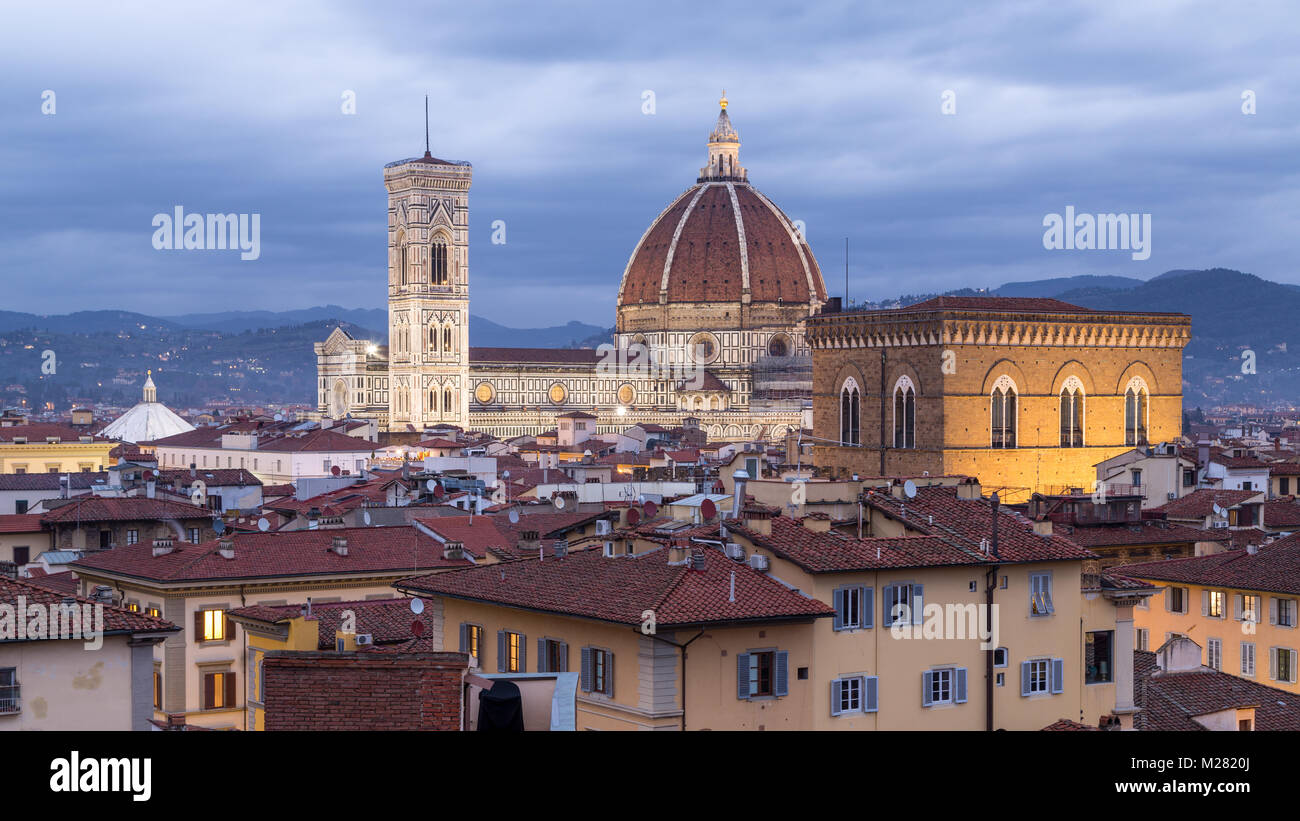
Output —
<point x="1132" y="107"/>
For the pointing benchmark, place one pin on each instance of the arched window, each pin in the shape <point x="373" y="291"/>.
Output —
<point x="1072" y="413"/>
<point x="904" y="413"/>
<point x="401" y="256"/>
<point x="1135" y="411"/>
<point x="438" y="261"/>
<point x="433" y="338"/>
<point x="433" y="402"/>
<point x="850" y="410"/>
<point x="1002" y="414"/>
<point x="446" y="339"/>
<point x="446" y="401"/>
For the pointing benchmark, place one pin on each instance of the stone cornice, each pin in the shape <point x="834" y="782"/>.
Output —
<point x="887" y="329"/>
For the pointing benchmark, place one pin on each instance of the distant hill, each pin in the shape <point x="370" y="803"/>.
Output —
<point x="1047" y="288"/>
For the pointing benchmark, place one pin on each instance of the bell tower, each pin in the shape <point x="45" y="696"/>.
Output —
<point x="428" y="290"/>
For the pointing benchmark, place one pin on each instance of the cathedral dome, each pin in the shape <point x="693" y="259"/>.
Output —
<point x="722" y="241"/>
<point x="147" y="421"/>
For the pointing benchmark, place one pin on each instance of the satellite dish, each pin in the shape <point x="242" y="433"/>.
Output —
<point x="1219" y="511"/>
<point x="148" y="474"/>
<point x="365" y="516"/>
<point x="708" y="510"/>
<point x="514" y="516"/>
<point x="279" y="417"/>
<point x="417" y="628"/>
<point x="558" y="501"/>
<point x="650" y="509"/>
<point x="335" y="470"/>
<point x="909" y="489"/>
<point x="438" y="492"/>
<point x="633" y="516"/>
<point x="218" y="527"/>
<point x="431" y="484"/>
<point x="263" y="525"/>
<point x="417" y="606"/>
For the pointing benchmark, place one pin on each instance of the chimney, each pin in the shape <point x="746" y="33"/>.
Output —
<point x="561" y="548"/>
<point x="64" y="482"/>
<point x="163" y="546"/>
<point x="759" y="520"/>
<point x="339" y="544"/>
<point x="679" y="552"/>
<point x="697" y="558"/>
<point x="193" y="471"/>
<point x="816" y="522"/>
<point x="103" y="593"/>
<point x="529" y="541"/>
<point x="149" y="488"/>
<point x="306" y="608"/>
<point x="1202" y="453"/>
<point x="1043" y="527"/>
<point x="740" y="478"/>
<point x="1252" y="549"/>
<point x="226" y="548"/>
<point x="453" y="550"/>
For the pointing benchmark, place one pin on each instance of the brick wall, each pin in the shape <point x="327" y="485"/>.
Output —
<point x="364" y="691"/>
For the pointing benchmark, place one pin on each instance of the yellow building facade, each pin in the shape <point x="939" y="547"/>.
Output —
<point x="52" y="449"/>
<point x="1028" y="395"/>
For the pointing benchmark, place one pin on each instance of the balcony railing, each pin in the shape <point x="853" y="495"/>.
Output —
<point x="11" y="700"/>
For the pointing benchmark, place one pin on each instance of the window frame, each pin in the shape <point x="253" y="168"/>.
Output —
<point x="1004" y="425"/>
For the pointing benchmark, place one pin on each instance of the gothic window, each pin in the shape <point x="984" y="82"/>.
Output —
<point x="438" y="261"/>
<point x="446" y="339"/>
<point x="904" y="413"/>
<point x="1072" y="413"/>
<point x="433" y="402"/>
<point x="850" y="410"/>
<point x="433" y="338"/>
<point x="401" y="256"/>
<point x="1003" y="413"/>
<point x="446" y="401"/>
<point x="1135" y="412"/>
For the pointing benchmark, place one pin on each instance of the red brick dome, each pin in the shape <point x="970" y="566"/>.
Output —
<point x="717" y="242"/>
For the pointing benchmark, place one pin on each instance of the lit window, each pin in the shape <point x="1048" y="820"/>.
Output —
<point x="1003" y="413"/>
<point x="213" y="625"/>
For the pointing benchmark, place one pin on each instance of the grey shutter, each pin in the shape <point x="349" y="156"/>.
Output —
<point x="1272" y="609"/>
<point x="1026" y="675"/>
<point x="1236" y="599"/>
<point x="586" y="669"/>
<point x="464" y="637"/>
<point x="868" y="606"/>
<point x="523" y="653"/>
<point x="742" y="675"/>
<point x="926" y="683"/>
<point x="1058" y="675"/>
<point x="564" y="657"/>
<point x="501" y="651"/>
<point x="780" y="682"/>
<point x="886" y="594"/>
<point x="1272" y="663"/>
<point x="838" y="603"/>
<point x="609" y="674"/>
<point x="542" y="661"/>
<point x="959" y="688"/>
<point x="1169" y="600"/>
<point x="837" y="685"/>
<point x="1205" y="602"/>
<point x="870" y="694"/>
<point x="918" y="602"/>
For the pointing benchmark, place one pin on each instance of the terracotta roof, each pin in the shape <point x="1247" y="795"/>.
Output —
<point x="831" y="552"/>
<point x="50" y="481"/>
<point x="279" y="553"/>
<point x="1200" y="503"/>
<point x="117" y="620"/>
<point x="938" y="511"/>
<point x="387" y="621"/>
<point x="589" y="585"/>
<point x="1274" y="569"/>
<point x="1147" y="531"/>
<point x="1068" y="725"/>
<point x="479" y="534"/>
<point x="38" y="432"/>
<point x="705" y="262"/>
<point x="1168" y="701"/>
<point x="20" y="523"/>
<point x="123" y="508"/>
<point x="212" y="477"/>
<point x="64" y="582"/>
<point x="1283" y="513"/>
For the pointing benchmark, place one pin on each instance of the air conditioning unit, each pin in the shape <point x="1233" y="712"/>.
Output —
<point x="364" y="639"/>
<point x="1220" y="524"/>
<point x="602" y="527"/>
<point x="758" y="562"/>
<point x="1171" y="495"/>
<point x="734" y="551"/>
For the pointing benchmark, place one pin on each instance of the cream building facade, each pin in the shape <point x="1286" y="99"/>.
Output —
<point x="709" y="323"/>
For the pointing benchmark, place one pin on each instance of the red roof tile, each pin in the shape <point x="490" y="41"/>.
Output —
<point x="20" y="523"/>
<point x="1275" y="568"/>
<point x="123" y="508"/>
<point x="116" y="619"/>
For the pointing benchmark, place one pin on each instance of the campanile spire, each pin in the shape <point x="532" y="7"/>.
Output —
<point x="724" y="150"/>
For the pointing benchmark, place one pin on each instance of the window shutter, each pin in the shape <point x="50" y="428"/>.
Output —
<point x="870" y="694"/>
<point x="1236" y="600"/>
<point x="868" y="606"/>
<point x="838" y="599"/>
<point x="781" y="683"/>
<point x="542" y="660"/>
<point x="1272" y="663"/>
<point x="1058" y="675"/>
<point x="586" y="669"/>
<point x="523" y="653"/>
<point x="742" y="675"/>
<point x="609" y="674"/>
<point x="564" y="658"/>
<point x="1272" y="610"/>
<point x="837" y="687"/>
<point x="1025" y="675"/>
<point x="1205" y="602"/>
<point x="464" y="637"/>
<point x="918" y="602"/>
<point x="250" y="666"/>
<point x="959" y="694"/>
<point x="230" y="690"/>
<point x="227" y="627"/>
<point x="887" y="594"/>
<point x="501" y="651"/>
<point x="198" y="623"/>
<point x="209" y="690"/>
<point x="926" y="683"/>
<point x="1169" y="600"/>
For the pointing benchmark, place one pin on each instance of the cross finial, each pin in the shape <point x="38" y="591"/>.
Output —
<point x="723" y="101"/>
